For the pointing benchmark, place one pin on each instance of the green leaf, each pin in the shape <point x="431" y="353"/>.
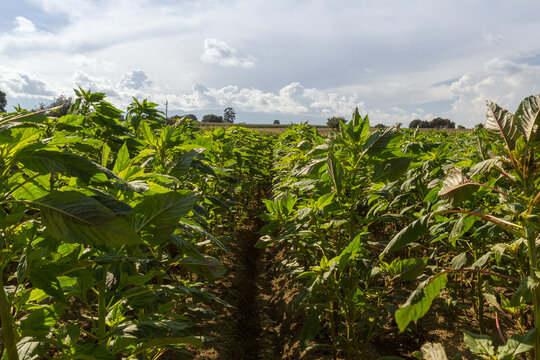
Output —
<point x="392" y="169"/>
<point x="92" y="352"/>
<point x="310" y="329"/>
<point x="459" y="260"/>
<point x="524" y="291"/>
<point x="501" y="122"/>
<point x="151" y="329"/>
<point x="433" y="351"/>
<point x="456" y="187"/>
<point x="528" y="117"/>
<point x="378" y="141"/>
<point x="156" y="217"/>
<point x="420" y="301"/>
<point x="410" y="233"/>
<point x="349" y="252"/>
<point x="409" y="269"/>
<point x="26" y="348"/>
<point x="44" y="278"/>
<point x="209" y="267"/>
<point x="478" y="344"/>
<point x="335" y="172"/>
<point x="122" y="159"/>
<point x="73" y="217"/>
<point x="517" y="344"/>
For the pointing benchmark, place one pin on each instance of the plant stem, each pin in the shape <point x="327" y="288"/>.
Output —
<point x="8" y="329"/>
<point x="102" y="309"/>
<point x="531" y="242"/>
<point x="480" y="302"/>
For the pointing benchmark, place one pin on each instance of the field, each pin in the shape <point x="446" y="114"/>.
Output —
<point x="125" y="238"/>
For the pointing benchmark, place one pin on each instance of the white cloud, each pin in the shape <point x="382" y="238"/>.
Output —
<point x="135" y="79"/>
<point x="218" y="52"/>
<point x="20" y="84"/>
<point x="503" y="81"/>
<point x="23" y="25"/>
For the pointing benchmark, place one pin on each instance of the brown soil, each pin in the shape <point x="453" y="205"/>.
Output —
<point x="258" y="324"/>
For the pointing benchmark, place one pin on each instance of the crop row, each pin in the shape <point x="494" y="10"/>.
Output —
<point x="111" y="228"/>
<point x="381" y="226"/>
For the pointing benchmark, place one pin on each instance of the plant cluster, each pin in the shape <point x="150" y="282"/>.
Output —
<point x="111" y="227"/>
<point x="366" y="216"/>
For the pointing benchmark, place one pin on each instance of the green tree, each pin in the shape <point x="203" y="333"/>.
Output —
<point x="334" y="121"/>
<point x="211" y="118"/>
<point x="3" y="101"/>
<point x="229" y="115"/>
<point x="63" y="103"/>
<point x="276" y="122"/>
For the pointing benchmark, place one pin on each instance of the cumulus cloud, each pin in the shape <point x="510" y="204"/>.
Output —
<point x="291" y="99"/>
<point x="503" y="81"/>
<point x="135" y="79"/>
<point x="23" y="25"/>
<point x="218" y="52"/>
<point x="20" y="84"/>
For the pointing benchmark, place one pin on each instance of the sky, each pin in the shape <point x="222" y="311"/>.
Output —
<point x="291" y="60"/>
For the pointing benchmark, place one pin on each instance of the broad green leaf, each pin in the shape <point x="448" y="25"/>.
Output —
<point x="73" y="217"/>
<point x="209" y="267"/>
<point x="26" y="348"/>
<point x="433" y="351"/>
<point x="152" y="329"/>
<point x="484" y="167"/>
<point x="517" y="344"/>
<point x="528" y="117"/>
<point x="392" y="169"/>
<point x="183" y="162"/>
<point x="349" y="252"/>
<point x="335" y="172"/>
<point x="46" y="161"/>
<point x="410" y="233"/>
<point x="459" y="261"/>
<point x="157" y="216"/>
<point x="418" y="304"/>
<point x="478" y="344"/>
<point x="91" y="351"/>
<point x="481" y="261"/>
<point x="524" y="291"/>
<point x="311" y="328"/>
<point x="456" y="187"/>
<point x="409" y="269"/>
<point x="122" y="160"/>
<point x="378" y="141"/>
<point x="461" y="226"/>
<point x="501" y="122"/>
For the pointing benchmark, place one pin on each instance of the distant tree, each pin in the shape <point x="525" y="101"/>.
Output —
<point x="440" y="123"/>
<point x="437" y="123"/>
<point x="176" y="118"/>
<point x="334" y="121"/>
<point x="229" y="115"/>
<point x="63" y="103"/>
<point x="380" y="126"/>
<point x="211" y="118"/>
<point x="461" y="127"/>
<point x="3" y="101"/>
<point x="276" y="122"/>
<point x="416" y="123"/>
<point x="479" y="126"/>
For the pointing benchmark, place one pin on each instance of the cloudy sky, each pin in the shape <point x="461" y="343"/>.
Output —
<point x="293" y="60"/>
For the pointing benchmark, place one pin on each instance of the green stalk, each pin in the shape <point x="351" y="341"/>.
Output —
<point x="8" y="328"/>
<point x="102" y="308"/>
<point x="480" y="303"/>
<point x="531" y="242"/>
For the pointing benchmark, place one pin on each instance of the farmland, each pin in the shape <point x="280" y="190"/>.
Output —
<point x="123" y="237"/>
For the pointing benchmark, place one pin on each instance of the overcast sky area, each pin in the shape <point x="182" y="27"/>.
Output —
<point x="290" y="60"/>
